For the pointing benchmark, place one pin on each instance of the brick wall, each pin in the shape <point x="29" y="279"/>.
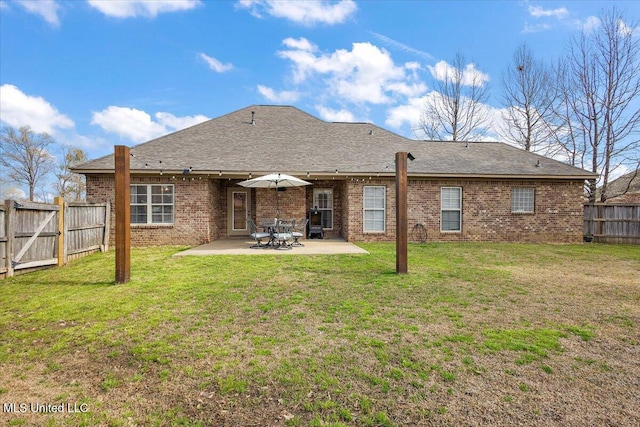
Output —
<point x="201" y="209"/>
<point x="486" y="211"/>
<point x="194" y="222"/>
<point x="291" y="202"/>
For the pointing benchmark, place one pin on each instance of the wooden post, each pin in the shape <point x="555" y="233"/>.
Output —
<point x="61" y="231"/>
<point x="123" y="214"/>
<point x="107" y="227"/>
<point x="401" y="212"/>
<point x="10" y="232"/>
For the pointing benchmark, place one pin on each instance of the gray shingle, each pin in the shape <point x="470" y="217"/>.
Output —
<point x="286" y="139"/>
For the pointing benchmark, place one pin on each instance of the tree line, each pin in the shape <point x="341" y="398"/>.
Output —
<point x="583" y="109"/>
<point x="26" y="158"/>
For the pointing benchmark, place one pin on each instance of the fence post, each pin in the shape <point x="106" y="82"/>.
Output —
<point x="10" y="232"/>
<point x="107" y="226"/>
<point x="61" y="231"/>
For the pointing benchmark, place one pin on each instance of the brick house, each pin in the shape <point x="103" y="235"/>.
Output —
<point x="184" y="186"/>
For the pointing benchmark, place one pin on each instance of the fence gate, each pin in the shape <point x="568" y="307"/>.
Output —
<point x="35" y="230"/>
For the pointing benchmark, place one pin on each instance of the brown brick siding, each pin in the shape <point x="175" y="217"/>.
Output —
<point x="486" y="211"/>
<point x="290" y="202"/>
<point x="193" y="219"/>
<point x="201" y="209"/>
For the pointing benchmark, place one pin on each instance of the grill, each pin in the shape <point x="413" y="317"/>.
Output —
<point x="315" y="224"/>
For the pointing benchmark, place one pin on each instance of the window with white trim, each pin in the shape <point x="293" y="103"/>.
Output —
<point x="374" y="202"/>
<point x="451" y="209"/>
<point x="522" y="200"/>
<point x="323" y="201"/>
<point x="151" y="204"/>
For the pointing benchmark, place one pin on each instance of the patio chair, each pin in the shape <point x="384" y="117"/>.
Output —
<point x="299" y="231"/>
<point x="258" y="236"/>
<point x="268" y="224"/>
<point x="284" y="234"/>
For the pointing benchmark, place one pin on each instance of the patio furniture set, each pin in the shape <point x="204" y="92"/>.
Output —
<point x="277" y="233"/>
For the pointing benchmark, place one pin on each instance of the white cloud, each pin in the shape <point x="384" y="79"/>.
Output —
<point x="625" y="30"/>
<point x="19" y="109"/>
<point x="407" y="114"/>
<point x="171" y="122"/>
<point x="47" y="9"/>
<point x="138" y="125"/>
<point x="589" y="24"/>
<point x="470" y="75"/>
<point x="146" y="8"/>
<point x="300" y="44"/>
<point x="366" y="73"/>
<point x="15" y="193"/>
<point x="216" y="65"/>
<point x="536" y="28"/>
<point x="332" y="115"/>
<point x="539" y="12"/>
<point x="284" y="96"/>
<point x="308" y="13"/>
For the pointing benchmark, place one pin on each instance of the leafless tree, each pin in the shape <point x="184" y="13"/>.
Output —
<point x="455" y="110"/>
<point x="528" y="95"/>
<point x="24" y="156"/>
<point x="71" y="186"/>
<point x="599" y="108"/>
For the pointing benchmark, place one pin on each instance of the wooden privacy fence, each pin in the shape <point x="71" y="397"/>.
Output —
<point x="39" y="234"/>
<point x="612" y="223"/>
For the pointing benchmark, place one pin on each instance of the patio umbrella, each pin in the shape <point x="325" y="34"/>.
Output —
<point x="274" y="180"/>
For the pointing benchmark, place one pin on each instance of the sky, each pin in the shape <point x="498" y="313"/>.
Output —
<point x="99" y="73"/>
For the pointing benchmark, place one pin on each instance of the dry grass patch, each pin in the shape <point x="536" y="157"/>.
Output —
<point x="476" y="334"/>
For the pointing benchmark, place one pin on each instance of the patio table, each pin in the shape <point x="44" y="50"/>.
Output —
<point x="269" y="226"/>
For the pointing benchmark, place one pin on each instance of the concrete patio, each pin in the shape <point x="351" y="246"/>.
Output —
<point x="241" y="246"/>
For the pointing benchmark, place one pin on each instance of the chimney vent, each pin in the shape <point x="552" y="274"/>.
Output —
<point x="253" y="117"/>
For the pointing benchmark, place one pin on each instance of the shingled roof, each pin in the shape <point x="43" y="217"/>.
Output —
<point x="261" y="139"/>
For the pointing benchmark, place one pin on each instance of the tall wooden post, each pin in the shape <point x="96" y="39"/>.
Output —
<point x="123" y="214"/>
<point x="401" y="212"/>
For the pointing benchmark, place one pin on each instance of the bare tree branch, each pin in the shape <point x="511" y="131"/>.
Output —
<point x="25" y="156"/>
<point x="455" y="109"/>
<point x="599" y="109"/>
<point x="528" y="95"/>
<point x="71" y="186"/>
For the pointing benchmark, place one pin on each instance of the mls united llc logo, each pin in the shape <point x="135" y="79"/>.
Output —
<point x="45" y="408"/>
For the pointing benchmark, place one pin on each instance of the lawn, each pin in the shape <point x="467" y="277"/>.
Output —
<point x="475" y="334"/>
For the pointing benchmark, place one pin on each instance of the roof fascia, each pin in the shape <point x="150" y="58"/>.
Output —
<point x="338" y="175"/>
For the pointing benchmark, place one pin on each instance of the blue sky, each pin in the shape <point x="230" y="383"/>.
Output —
<point x="100" y="73"/>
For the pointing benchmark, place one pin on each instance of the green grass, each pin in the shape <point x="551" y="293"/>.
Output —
<point x="324" y="340"/>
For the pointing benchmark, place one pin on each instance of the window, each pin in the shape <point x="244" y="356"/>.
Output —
<point x="323" y="200"/>
<point x="451" y="209"/>
<point x="374" y="208"/>
<point x="522" y="200"/>
<point x="151" y="204"/>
